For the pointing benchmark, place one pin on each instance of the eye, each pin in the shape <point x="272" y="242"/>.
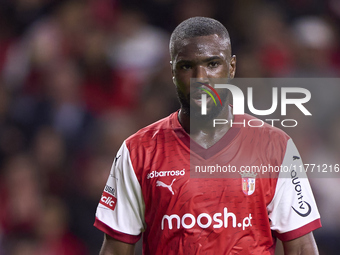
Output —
<point x="185" y="67"/>
<point x="213" y="64"/>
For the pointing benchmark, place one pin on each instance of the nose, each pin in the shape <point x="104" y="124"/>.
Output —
<point x="201" y="73"/>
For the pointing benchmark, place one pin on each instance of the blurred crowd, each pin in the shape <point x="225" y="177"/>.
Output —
<point x="78" y="77"/>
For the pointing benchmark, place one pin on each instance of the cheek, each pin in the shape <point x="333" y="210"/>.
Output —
<point x="182" y="79"/>
<point x="223" y="93"/>
<point x="223" y="71"/>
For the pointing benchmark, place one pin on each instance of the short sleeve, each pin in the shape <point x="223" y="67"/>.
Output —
<point x="120" y="212"/>
<point x="293" y="211"/>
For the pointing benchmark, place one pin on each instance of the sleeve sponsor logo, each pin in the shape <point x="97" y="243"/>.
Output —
<point x="108" y="200"/>
<point x="304" y="208"/>
<point x="110" y="190"/>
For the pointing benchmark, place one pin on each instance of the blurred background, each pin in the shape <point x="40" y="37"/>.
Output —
<point x="78" y="77"/>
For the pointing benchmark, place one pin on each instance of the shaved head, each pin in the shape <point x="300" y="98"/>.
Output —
<point x="194" y="27"/>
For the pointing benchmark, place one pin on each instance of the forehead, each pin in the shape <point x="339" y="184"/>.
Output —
<point x="201" y="46"/>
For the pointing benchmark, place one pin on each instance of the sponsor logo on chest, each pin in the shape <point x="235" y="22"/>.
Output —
<point x="156" y="174"/>
<point x="217" y="220"/>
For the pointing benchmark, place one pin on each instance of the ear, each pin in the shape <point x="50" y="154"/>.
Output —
<point x="172" y="72"/>
<point x="232" y="67"/>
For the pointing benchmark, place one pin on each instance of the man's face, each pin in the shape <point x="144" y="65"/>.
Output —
<point x="203" y="58"/>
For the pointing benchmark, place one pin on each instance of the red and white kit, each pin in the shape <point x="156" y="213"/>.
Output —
<point x="151" y="191"/>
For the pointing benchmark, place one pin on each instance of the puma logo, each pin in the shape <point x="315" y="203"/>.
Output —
<point x="115" y="160"/>
<point x="162" y="184"/>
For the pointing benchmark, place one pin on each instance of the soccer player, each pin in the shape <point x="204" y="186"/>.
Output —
<point x="150" y="192"/>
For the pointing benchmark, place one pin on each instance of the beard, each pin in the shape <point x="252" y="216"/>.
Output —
<point x="194" y="111"/>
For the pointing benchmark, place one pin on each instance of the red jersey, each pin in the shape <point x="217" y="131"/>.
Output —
<point x="190" y="200"/>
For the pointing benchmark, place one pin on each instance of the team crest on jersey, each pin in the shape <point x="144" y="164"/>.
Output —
<point x="248" y="183"/>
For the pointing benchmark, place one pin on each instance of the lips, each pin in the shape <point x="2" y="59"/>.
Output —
<point x="197" y="99"/>
<point x="197" y="90"/>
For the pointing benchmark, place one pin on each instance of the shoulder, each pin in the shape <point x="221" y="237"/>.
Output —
<point x="264" y="130"/>
<point x="149" y="143"/>
<point x="153" y="132"/>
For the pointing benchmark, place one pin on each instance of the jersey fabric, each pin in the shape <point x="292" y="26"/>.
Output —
<point x="155" y="189"/>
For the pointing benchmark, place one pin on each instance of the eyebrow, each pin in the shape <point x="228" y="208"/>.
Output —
<point x="212" y="58"/>
<point x="204" y="60"/>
